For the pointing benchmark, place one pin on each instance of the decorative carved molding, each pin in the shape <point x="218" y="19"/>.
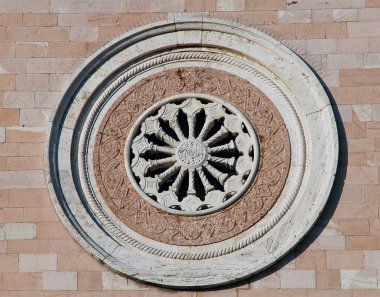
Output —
<point x="99" y="195"/>
<point x="124" y="200"/>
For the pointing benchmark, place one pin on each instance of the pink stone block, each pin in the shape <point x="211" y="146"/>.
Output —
<point x="24" y="6"/>
<point x="357" y="175"/>
<point x="369" y="14"/>
<point x="40" y="65"/>
<point x="321" y="15"/>
<point x="68" y="19"/>
<point x="363" y="29"/>
<point x="345" y="61"/>
<point x="372" y="60"/>
<point x="300" y="279"/>
<point x="345" y="15"/>
<point x="22" y="179"/>
<point x="345" y="259"/>
<point x="15" y="65"/>
<point x="352" y="45"/>
<point x="84" y="34"/>
<point x="75" y="6"/>
<point x="352" y="194"/>
<point x="313" y="4"/>
<point x="361" y="145"/>
<point x="37" y="262"/>
<point x="34" y="117"/>
<point x="358" y="279"/>
<point x="270" y="281"/>
<point x="230" y="5"/>
<point x="32" y="82"/>
<point x="18" y="99"/>
<point x="9" y="263"/>
<point x="331" y="243"/>
<point x="320" y="46"/>
<point x="374" y="44"/>
<point x="155" y="6"/>
<point x="56" y="281"/>
<point x="294" y="16"/>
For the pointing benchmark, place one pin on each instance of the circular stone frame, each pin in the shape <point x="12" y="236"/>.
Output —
<point x="176" y="98"/>
<point x="267" y="64"/>
<point x="216" y="226"/>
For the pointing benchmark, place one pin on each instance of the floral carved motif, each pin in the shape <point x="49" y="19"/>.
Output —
<point x="123" y="200"/>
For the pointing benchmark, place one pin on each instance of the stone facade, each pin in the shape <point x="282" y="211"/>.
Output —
<point x="43" y="42"/>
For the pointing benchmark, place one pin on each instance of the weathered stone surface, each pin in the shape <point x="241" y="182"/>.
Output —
<point x="303" y="113"/>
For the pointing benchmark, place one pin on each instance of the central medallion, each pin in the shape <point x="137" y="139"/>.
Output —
<point x="192" y="155"/>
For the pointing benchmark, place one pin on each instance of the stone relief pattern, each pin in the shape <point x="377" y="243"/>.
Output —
<point x="161" y="226"/>
<point x="194" y="156"/>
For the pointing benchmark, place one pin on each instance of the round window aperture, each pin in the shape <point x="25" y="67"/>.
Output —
<point x="192" y="156"/>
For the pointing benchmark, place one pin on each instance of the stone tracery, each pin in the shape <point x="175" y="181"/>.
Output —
<point x="193" y="155"/>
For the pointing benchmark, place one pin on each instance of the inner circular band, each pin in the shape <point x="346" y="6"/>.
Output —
<point x="123" y="199"/>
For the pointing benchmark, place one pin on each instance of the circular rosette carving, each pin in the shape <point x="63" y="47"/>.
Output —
<point x="192" y="156"/>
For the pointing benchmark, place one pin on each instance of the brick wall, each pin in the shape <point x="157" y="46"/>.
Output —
<point x="41" y="44"/>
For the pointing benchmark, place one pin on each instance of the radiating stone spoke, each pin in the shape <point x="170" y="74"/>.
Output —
<point x="220" y="176"/>
<point x="168" y="173"/>
<point x="191" y="189"/>
<point x="173" y="123"/>
<point x="155" y="164"/>
<point x="208" y="125"/>
<point x="162" y="149"/>
<point x="207" y="185"/>
<point x="218" y="136"/>
<point x="177" y="182"/>
<point x="229" y="147"/>
<point x="163" y="136"/>
<point x="191" y="123"/>
<point x="226" y="162"/>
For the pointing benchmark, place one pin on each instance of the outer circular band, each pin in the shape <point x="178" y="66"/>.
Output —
<point x="250" y="54"/>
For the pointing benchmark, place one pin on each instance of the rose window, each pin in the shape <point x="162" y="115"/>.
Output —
<point x="193" y="155"/>
<point x="188" y="141"/>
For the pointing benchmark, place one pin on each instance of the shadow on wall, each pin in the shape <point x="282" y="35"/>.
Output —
<point x="328" y="211"/>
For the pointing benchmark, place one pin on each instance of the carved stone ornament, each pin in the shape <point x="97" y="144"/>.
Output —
<point x="194" y="156"/>
<point x="191" y="152"/>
